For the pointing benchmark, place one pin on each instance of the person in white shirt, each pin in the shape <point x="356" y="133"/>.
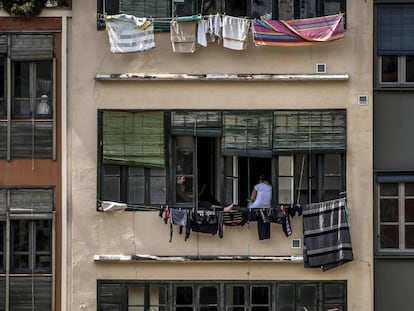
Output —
<point x="261" y="196"/>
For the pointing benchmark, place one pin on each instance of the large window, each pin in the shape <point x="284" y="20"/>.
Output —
<point x="396" y="70"/>
<point x="26" y="248"/>
<point x="27" y="96"/>
<point x="395" y="216"/>
<point x="395" y="45"/>
<point x="216" y="295"/>
<point x="275" y="9"/>
<point x="184" y="157"/>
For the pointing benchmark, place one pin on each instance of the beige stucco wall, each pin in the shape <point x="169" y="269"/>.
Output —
<point x="91" y="233"/>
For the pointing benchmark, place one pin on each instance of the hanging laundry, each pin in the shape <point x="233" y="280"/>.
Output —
<point x="178" y="217"/>
<point x="202" y="29"/>
<point x="235" y="32"/>
<point x="214" y="28"/>
<point x="299" y="31"/>
<point x="183" y="36"/>
<point x="327" y="240"/>
<point x="128" y="34"/>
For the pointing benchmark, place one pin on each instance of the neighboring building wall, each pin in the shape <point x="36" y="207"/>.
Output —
<point x="128" y="233"/>
<point x="393" y="154"/>
<point x="30" y="161"/>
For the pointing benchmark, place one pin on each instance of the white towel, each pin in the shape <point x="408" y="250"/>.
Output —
<point x="235" y="31"/>
<point x="202" y="29"/>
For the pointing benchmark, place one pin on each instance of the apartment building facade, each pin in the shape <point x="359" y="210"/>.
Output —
<point x="33" y="95"/>
<point x="219" y="115"/>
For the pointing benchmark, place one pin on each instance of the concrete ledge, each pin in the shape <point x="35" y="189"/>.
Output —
<point x="229" y="258"/>
<point x="218" y="77"/>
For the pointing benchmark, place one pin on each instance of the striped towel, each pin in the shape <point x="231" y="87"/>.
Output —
<point x="327" y="240"/>
<point x="299" y="31"/>
<point x="128" y="34"/>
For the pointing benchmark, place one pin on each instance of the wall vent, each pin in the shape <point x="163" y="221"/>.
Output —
<point x="295" y="243"/>
<point x="320" y="68"/>
<point x="363" y="100"/>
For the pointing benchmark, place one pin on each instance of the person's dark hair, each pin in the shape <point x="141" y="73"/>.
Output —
<point x="264" y="177"/>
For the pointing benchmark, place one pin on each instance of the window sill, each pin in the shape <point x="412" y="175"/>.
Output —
<point x="250" y="77"/>
<point x="229" y="258"/>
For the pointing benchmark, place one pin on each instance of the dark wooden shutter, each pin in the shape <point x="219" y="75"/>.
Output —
<point x="31" y="200"/>
<point x="31" y="293"/>
<point x="36" y="46"/>
<point x="143" y="8"/>
<point x="2" y="293"/>
<point x="247" y="133"/>
<point x="3" y="44"/>
<point x="32" y="139"/>
<point x="333" y="296"/>
<point x="133" y="138"/>
<point x="395" y="24"/>
<point x="3" y="202"/>
<point x="110" y="296"/>
<point x="196" y="123"/>
<point x="3" y="140"/>
<point x="323" y="130"/>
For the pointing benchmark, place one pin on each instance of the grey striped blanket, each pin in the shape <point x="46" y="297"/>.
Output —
<point x="327" y="239"/>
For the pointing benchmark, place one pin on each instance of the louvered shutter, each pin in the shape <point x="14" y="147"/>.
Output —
<point x="3" y="140"/>
<point x="142" y="8"/>
<point x="133" y="138"/>
<point x="395" y="24"/>
<point x="247" y="133"/>
<point x="321" y="130"/>
<point x="32" y="139"/>
<point x="2" y="292"/>
<point x="110" y="296"/>
<point x="27" y="293"/>
<point x="31" y="200"/>
<point x="3" y="44"/>
<point x="196" y="123"/>
<point x="32" y="47"/>
<point x="3" y="202"/>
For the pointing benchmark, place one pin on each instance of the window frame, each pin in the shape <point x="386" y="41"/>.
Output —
<point x="11" y="125"/>
<point x="401" y="72"/>
<point x="118" y="298"/>
<point x="41" y="209"/>
<point x="400" y="222"/>
<point x="193" y="7"/>
<point x="225" y="176"/>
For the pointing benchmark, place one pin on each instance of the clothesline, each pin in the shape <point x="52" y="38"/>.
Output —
<point x="103" y="17"/>
<point x="128" y="34"/>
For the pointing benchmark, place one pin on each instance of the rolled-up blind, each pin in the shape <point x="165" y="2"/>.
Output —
<point x="319" y="130"/>
<point x="247" y="133"/>
<point x="196" y="123"/>
<point x="32" y="139"/>
<point x="33" y="46"/>
<point x="31" y="200"/>
<point x="133" y="138"/>
<point x="395" y="24"/>
<point x="28" y="293"/>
